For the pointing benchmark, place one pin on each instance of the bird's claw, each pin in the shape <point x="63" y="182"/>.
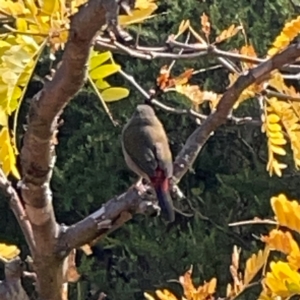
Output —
<point x="140" y="187"/>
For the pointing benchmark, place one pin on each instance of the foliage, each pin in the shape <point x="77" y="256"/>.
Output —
<point x="228" y="183"/>
<point x="277" y="111"/>
<point x="279" y="278"/>
<point x="8" y="252"/>
<point x="38" y="27"/>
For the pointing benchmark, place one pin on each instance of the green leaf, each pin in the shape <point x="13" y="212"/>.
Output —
<point x="104" y="71"/>
<point x="114" y="94"/>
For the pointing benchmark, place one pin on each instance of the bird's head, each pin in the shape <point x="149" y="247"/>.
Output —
<point x="144" y="114"/>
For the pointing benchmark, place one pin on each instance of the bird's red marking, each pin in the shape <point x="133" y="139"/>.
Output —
<point x="160" y="180"/>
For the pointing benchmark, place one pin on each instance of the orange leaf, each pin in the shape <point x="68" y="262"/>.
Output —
<point x="248" y="51"/>
<point x="205" y="25"/>
<point x="228" y="33"/>
<point x="187" y="284"/>
<point x="163" y="78"/>
<point x="204" y="291"/>
<point x="165" y="81"/>
<point x="184" y="25"/>
<point x="280" y="241"/>
<point x="184" y="77"/>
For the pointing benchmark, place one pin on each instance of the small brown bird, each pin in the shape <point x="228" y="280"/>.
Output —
<point x="147" y="153"/>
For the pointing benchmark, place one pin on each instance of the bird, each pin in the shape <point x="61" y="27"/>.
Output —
<point x="147" y="153"/>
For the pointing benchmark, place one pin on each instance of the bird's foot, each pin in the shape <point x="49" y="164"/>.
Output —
<point x="140" y="187"/>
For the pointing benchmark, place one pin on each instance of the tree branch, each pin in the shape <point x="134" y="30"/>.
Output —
<point x="18" y="210"/>
<point x="38" y="151"/>
<point x="196" y="141"/>
<point x="11" y="287"/>
<point x="198" y="138"/>
<point x="192" y="51"/>
<point x="231" y="119"/>
<point x="92" y="226"/>
<point x="113" y="214"/>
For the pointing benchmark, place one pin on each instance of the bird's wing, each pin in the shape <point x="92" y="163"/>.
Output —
<point x="140" y="151"/>
<point x="164" y="157"/>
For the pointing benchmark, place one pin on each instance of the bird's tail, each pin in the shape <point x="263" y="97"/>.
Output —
<point x="165" y="202"/>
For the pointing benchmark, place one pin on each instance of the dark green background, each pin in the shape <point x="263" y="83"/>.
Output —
<point x="228" y="181"/>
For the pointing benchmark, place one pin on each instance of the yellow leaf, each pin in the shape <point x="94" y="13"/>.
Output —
<point x="114" y="94"/>
<point x="13" y="96"/>
<point x="138" y="15"/>
<point x="272" y="118"/>
<point x="142" y="4"/>
<point x="282" y="166"/>
<point x="280" y="241"/>
<point x="3" y="118"/>
<point x="201" y="292"/>
<point x="9" y="77"/>
<point x="274" y="127"/>
<point x="163" y="295"/>
<point x="277" y="170"/>
<point x="32" y="7"/>
<point x="282" y="280"/>
<point x="15" y="171"/>
<point x="3" y="136"/>
<point x="287" y="212"/>
<point x="277" y="204"/>
<point x="29" y="44"/>
<point x="254" y="264"/>
<point x="228" y="33"/>
<point x="7" y="156"/>
<point x="229" y="290"/>
<point x="278" y="150"/>
<point x="4" y="44"/>
<point x="50" y="6"/>
<point x="184" y="25"/>
<point x="104" y="71"/>
<point x="98" y="59"/>
<point x="275" y="141"/>
<point x="249" y="51"/>
<point x="211" y="286"/>
<point x="102" y="84"/>
<point x="9" y="251"/>
<point x="288" y="33"/>
<point x="275" y="135"/>
<point x="13" y="9"/>
<point x="21" y="25"/>
<point x="277" y="167"/>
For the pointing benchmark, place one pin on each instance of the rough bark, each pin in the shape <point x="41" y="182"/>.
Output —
<point x="38" y="151"/>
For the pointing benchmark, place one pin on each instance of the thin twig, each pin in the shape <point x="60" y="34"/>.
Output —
<point x="18" y="210"/>
<point x="192" y="51"/>
<point x="178" y="111"/>
<point x="281" y="96"/>
<point x="207" y="69"/>
<point x="253" y="222"/>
